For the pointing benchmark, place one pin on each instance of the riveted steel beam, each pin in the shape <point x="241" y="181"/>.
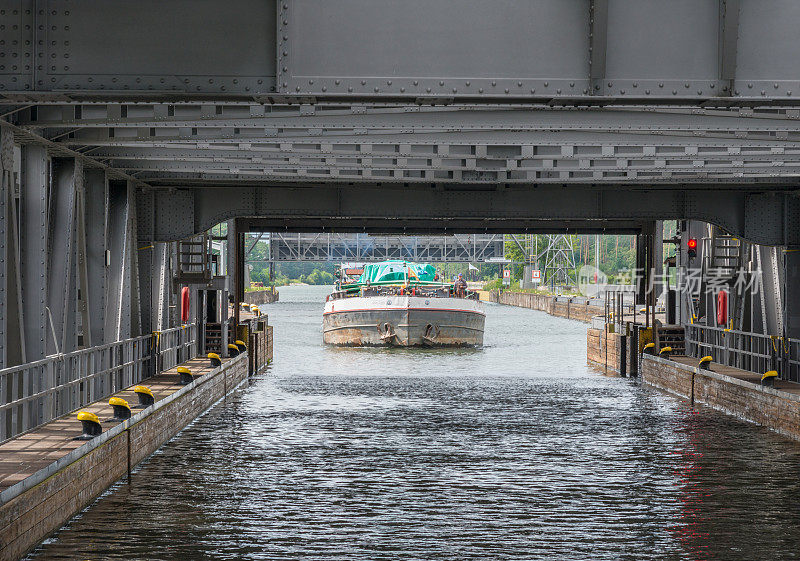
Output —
<point x="62" y="288"/>
<point x="184" y="212"/>
<point x="464" y="119"/>
<point x="12" y="341"/>
<point x="289" y="246"/>
<point x="656" y="51"/>
<point x="33" y="225"/>
<point x="121" y="317"/>
<point x="95" y="223"/>
<point x="246" y="115"/>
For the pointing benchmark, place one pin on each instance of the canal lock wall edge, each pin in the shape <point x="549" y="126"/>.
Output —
<point x="767" y="407"/>
<point x="50" y="497"/>
<point x="575" y="308"/>
<point x="260" y="297"/>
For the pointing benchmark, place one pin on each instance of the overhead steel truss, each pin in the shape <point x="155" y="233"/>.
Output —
<point x="191" y="145"/>
<point x="551" y="51"/>
<point x="462" y="248"/>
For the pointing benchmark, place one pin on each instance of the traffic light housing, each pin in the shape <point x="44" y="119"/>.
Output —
<point x="691" y="248"/>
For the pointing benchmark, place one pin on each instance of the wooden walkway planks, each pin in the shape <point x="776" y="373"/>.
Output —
<point x="28" y="453"/>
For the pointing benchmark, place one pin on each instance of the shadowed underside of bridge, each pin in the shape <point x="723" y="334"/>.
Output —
<point x="418" y="117"/>
<point x="128" y="124"/>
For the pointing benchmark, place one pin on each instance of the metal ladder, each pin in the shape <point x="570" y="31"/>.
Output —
<point x="726" y="254"/>
<point x="194" y="262"/>
<point x="724" y="259"/>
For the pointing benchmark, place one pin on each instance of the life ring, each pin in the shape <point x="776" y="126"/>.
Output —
<point x="722" y="307"/>
<point x="184" y="304"/>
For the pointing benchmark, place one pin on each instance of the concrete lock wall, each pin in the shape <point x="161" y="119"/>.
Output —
<point x="768" y="407"/>
<point x="614" y="352"/>
<point x="66" y="487"/>
<point x="603" y="349"/>
<point x="577" y="308"/>
<point x="259" y="347"/>
<point x="259" y="297"/>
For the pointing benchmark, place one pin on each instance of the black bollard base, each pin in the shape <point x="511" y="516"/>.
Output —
<point x="215" y="360"/>
<point x="768" y="379"/>
<point x="90" y="424"/>
<point x="184" y="376"/>
<point x="146" y="398"/>
<point x="122" y="411"/>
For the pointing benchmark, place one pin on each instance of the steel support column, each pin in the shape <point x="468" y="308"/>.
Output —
<point x="238" y="279"/>
<point x="161" y="288"/>
<point x="146" y="260"/>
<point x="122" y="319"/>
<point x="768" y="261"/>
<point x="81" y="251"/>
<point x="791" y="291"/>
<point x="11" y="327"/>
<point x="62" y="291"/>
<point x="96" y="230"/>
<point x="641" y="269"/>
<point x="658" y="259"/>
<point x="33" y="249"/>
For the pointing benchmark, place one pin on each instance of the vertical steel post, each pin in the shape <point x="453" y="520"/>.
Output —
<point x="132" y="249"/>
<point x="11" y="328"/>
<point x="33" y="249"/>
<point x="62" y="292"/>
<point x="238" y="291"/>
<point x="122" y="314"/>
<point x="658" y="261"/>
<point x="95" y="223"/>
<point x="791" y="293"/>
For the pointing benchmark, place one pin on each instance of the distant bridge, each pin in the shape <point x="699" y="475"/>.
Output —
<point x="474" y="248"/>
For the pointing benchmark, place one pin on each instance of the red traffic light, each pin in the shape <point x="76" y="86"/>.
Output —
<point x="692" y="243"/>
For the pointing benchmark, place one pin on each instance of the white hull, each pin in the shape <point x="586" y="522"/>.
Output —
<point x="403" y="321"/>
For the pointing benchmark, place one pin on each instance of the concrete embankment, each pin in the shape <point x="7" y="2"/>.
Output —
<point x="606" y="350"/>
<point x="51" y="476"/>
<point x="616" y="352"/>
<point x="259" y="297"/>
<point x="569" y="307"/>
<point x="732" y="391"/>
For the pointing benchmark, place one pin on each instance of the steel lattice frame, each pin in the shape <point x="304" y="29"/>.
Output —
<point x="465" y="248"/>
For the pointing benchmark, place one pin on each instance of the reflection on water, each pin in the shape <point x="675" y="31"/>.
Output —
<point x="513" y="451"/>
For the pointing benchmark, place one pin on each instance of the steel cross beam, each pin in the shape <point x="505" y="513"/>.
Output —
<point x="769" y="218"/>
<point x="286" y="246"/>
<point x="375" y="51"/>
<point x="176" y="145"/>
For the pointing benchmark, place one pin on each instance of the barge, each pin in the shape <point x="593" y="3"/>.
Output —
<point x="402" y="304"/>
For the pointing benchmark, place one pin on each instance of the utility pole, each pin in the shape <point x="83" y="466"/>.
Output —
<point x="596" y="256"/>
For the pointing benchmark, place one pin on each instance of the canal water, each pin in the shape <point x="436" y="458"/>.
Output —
<point x="514" y="451"/>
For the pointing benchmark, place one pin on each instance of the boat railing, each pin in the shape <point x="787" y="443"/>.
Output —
<point x="426" y="290"/>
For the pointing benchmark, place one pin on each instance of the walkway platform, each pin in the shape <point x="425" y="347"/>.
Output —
<point x="744" y="375"/>
<point x="26" y="454"/>
<point x="46" y="477"/>
<point x="728" y="389"/>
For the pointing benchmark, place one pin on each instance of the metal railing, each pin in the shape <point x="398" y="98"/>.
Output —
<point x="747" y="351"/>
<point x="176" y="345"/>
<point x="35" y="393"/>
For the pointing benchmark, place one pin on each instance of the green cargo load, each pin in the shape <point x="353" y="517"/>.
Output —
<point x="397" y="271"/>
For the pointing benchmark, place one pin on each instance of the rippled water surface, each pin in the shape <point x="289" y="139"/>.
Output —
<point x="514" y="451"/>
